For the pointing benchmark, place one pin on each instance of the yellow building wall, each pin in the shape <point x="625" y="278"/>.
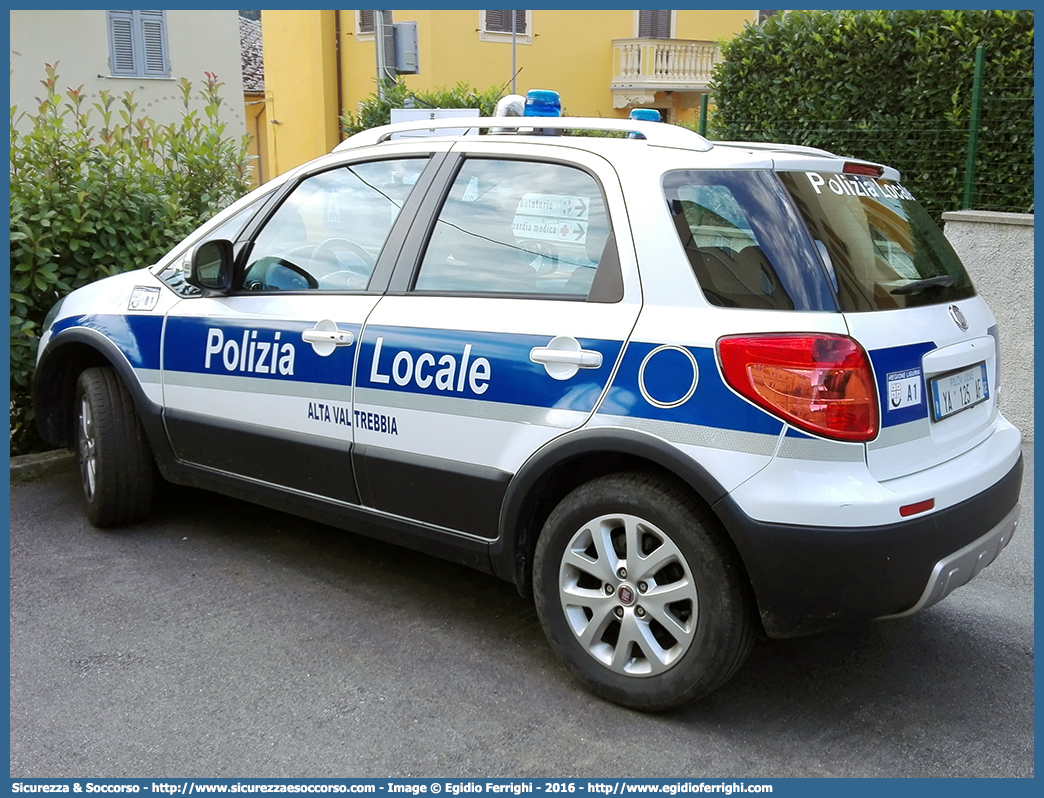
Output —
<point x="709" y="26"/>
<point x="571" y="52"/>
<point x="300" y="86"/>
<point x="257" y="130"/>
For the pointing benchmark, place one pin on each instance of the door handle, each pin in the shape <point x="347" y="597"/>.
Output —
<point x="585" y="358"/>
<point x="563" y="357"/>
<point x="325" y="337"/>
<point x="338" y="338"/>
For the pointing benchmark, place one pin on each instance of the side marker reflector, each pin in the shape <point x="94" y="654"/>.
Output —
<point x="918" y="507"/>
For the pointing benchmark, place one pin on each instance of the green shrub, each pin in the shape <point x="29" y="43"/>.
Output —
<point x="89" y="201"/>
<point x="375" y="111"/>
<point x="893" y="87"/>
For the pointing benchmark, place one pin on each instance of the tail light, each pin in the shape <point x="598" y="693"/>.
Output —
<point x="819" y="383"/>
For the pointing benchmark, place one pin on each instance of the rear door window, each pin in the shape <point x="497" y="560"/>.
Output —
<point x="522" y="227"/>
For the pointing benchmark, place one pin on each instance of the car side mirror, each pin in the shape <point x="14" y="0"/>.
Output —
<point x="210" y="266"/>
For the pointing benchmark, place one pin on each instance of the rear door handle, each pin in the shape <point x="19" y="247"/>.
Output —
<point x="585" y="358"/>
<point x="563" y="357"/>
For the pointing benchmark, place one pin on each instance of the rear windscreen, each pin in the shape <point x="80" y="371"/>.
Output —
<point x="882" y="249"/>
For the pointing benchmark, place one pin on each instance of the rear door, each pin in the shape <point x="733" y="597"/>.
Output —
<point x="505" y="319"/>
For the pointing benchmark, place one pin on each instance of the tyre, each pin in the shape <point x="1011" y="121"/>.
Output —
<point x="640" y="593"/>
<point x="117" y="471"/>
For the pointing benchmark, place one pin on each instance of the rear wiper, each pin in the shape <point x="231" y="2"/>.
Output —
<point x="940" y="281"/>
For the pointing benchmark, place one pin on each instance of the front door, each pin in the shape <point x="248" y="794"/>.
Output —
<point x="258" y="384"/>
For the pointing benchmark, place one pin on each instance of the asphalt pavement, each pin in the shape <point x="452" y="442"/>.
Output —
<point x="220" y="639"/>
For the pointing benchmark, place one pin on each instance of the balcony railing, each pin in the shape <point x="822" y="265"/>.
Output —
<point x="663" y="64"/>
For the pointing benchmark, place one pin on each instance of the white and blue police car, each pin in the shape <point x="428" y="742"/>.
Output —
<point x="680" y="392"/>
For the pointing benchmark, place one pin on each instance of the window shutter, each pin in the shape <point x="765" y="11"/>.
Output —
<point x="121" y="40"/>
<point x="663" y="24"/>
<point x="153" y="34"/>
<point x="138" y="43"/>
<point x="366" y="22"/>
<point x="500" y="21"/>
<point x="654" y="24"/>
<point x="495" y="21"/>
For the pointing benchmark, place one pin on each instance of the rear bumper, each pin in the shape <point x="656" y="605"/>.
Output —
<point x="810" y="579"/>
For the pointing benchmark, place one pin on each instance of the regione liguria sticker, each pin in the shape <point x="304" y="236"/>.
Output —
<point x="904" y="388"/>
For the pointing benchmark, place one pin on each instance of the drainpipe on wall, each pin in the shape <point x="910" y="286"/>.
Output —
<point x="383" y="31"/>
<point x="270" y="106"/>
<point x="260" y="160"/>
<point x="337" y="51"/>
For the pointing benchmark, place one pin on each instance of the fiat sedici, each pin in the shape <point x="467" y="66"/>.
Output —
<point x="681" y="393"/>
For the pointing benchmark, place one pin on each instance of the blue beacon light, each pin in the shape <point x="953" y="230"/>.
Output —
<point x="643" y="115"/>
<point x="543" y="102"/>
<point x="646" y="114"/>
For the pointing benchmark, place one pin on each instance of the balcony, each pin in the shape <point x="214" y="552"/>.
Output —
<point x="642" y="67"/>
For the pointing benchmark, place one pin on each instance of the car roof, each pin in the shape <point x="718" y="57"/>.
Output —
<point x="519" y="130"/>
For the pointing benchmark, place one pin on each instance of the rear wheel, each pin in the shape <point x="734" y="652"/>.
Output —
<point x="116" y="465"/>
<point x="640" y="593"/>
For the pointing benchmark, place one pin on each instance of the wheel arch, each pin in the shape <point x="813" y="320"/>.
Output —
<point x="67" y="356"/>
<point x="569" y="461"/>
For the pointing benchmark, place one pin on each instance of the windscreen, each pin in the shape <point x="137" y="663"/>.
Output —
<point x="882" y="249"/>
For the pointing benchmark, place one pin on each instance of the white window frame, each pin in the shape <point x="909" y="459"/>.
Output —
<point x="500" y="36"/>
<point x="638" y="23"/>
<point x="144" y="34"/>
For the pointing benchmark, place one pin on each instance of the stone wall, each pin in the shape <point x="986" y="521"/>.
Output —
<point x="997" y="250"/>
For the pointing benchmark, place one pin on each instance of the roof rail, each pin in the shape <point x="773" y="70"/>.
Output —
<point x="655" y="133"/>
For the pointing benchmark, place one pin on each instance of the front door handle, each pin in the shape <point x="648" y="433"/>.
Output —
<point x="325" y="337"/>
<point x="563" y="357"/>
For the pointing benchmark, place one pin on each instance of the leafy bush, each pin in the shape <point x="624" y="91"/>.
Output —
<point x="87" y="202"/>
<point x="893" y="87"/>
<point x="375" y="111"/>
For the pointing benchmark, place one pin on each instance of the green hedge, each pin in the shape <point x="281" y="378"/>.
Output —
<point x="88" y="201"/>
<point x="376" y="111"/>
<point x="893" y="87"/>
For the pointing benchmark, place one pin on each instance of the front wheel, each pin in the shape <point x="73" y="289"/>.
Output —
<point x="640" y="593"/>
<point x="116" y="465"/>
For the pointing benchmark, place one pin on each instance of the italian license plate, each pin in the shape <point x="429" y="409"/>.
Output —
<point x="958" y="391"/>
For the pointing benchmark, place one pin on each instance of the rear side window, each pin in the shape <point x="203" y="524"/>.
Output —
<point x="882" y="248"/>
<point x="745" y="244"/>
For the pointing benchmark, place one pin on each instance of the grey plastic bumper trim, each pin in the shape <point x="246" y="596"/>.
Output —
<point x="965" y="564"/>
